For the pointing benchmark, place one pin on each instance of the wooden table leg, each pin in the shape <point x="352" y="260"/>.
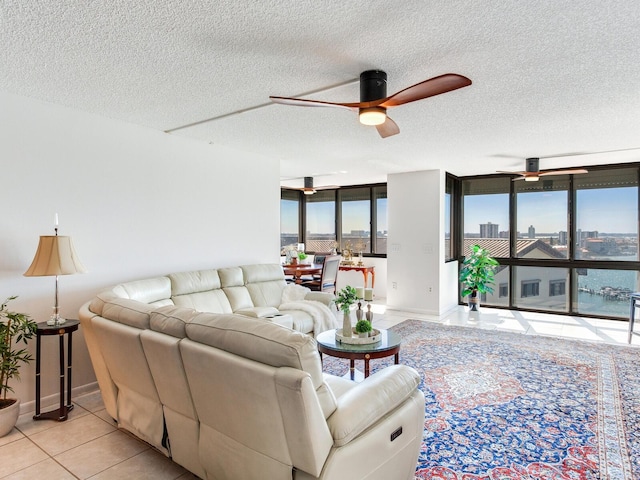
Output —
<point x="352" y="369"/>
<point x="367" y="357"/>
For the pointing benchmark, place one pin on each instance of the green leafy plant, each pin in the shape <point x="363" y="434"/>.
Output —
<point x="346" y="297"/>
<point x="302" y="255"/>
<point x="363" y="326"/>
<point x="477" y="272"/>
<point x="16" y="327"/>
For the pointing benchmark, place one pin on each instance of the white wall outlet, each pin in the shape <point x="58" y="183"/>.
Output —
<point x="394" y="285"/>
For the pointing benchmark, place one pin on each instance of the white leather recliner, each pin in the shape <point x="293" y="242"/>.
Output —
<point x="233" y="397"/>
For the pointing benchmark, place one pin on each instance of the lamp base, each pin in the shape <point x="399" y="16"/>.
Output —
<point x="55" y="319"/>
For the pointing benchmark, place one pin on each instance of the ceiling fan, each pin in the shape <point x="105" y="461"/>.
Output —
<point x="373" y="104"/>
<point x="533" y="173"/>
<point x="309" y="189"/>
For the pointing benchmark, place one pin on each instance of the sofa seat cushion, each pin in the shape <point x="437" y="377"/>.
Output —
<point x="258" y="340"/>
<point x="258" y="312"/>
<point x="302" y="321"/>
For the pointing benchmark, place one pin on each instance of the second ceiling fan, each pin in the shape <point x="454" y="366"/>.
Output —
<point x="374" y="102"/>
<point x="532" y="172"/>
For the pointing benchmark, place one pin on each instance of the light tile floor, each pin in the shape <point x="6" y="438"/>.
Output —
<point x="89" y="445"/>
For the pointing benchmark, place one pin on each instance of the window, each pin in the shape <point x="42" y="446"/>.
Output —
<point x="449" y="207"/>
<point x="355" y="209"/>
<point x="557" y="287"/>
<point x="603" y="291"/>
<point x="533" y="282"/>
<point x="607" y="215"/>
<point x="289" y="218"/>
<point x="530" y="288"/>
<point x="380" y="196"/>
<point x="541" y="212"/>
<point x="503" y="290"/>
<point x="320" y="221"/>
<point x="486" y="215"/>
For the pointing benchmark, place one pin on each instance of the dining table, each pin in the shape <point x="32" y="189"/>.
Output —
<point x="301" y="269"/>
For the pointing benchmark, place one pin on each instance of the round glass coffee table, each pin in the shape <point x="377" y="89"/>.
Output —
<point x="388" y="345"/>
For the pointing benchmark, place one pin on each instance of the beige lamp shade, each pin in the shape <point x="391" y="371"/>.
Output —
<point x="55" y="256"/>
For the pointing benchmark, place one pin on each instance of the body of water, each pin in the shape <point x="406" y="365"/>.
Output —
<point x="595" y="298"/>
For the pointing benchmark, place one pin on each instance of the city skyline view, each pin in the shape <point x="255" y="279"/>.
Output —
<point x="606" y="210"/>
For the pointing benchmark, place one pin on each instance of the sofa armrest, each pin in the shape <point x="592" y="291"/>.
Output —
<point x="368" y="402"/>
<point x="322" y="297"/>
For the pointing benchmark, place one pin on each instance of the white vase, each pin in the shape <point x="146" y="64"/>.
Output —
<point x="346" y="325"/>
<point x="9" y="417"/>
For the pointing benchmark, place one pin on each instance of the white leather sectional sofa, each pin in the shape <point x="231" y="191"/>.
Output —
<point x="230" y="396"/>
<point x="253" y="290"/>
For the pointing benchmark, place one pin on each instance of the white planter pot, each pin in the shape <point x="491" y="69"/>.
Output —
<point x="9" y="417"/>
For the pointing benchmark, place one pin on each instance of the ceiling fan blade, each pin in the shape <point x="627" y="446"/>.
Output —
<point x="301" y="102"/>
<point x="572" y="171"/>
<point x="510" y="173"/>
<point x="388" y="128"/>
<point x="434" y="86"/>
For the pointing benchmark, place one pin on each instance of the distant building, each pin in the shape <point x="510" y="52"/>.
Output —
<point x="562" y="238"/>
<point x="489" y="230"/>
<point x="532" y="231"/>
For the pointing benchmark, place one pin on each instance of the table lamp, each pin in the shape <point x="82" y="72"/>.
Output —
<point x="55" y="256"/>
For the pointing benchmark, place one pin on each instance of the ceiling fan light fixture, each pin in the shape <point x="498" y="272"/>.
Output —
<point x="373" y="115"/>
<point x="309" y="192"/>
<point x="531" y="178"/>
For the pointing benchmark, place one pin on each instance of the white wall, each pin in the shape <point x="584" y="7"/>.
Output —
<point x="137" y="202"/>
<point x="418" y="279"/>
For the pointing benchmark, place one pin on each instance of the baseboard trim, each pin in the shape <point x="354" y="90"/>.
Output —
<point x="53" y="401"/>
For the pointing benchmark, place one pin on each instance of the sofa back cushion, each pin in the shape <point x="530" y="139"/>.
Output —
<point x="156" y="291"/>
<point x="199" y="290"/>
<point x="258" y="340"/>
<point x="264" y="283"/>
<point x="171" y="320"/>
<point x="232" y="280"/>
<point x="128" y="312"/>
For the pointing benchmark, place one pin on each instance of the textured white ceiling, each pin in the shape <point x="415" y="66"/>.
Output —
<point x="549" y="77"/>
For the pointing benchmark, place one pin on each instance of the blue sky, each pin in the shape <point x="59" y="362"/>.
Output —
<point x="611" y="210"/>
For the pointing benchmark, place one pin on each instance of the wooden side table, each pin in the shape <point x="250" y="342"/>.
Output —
<point x="67" y="327"/>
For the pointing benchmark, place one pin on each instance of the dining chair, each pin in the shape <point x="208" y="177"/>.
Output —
<point x="328" y="276"/>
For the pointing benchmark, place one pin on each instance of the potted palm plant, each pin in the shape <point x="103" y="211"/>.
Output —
<point x="477" y="275"/>
<point x="19" y="328"/>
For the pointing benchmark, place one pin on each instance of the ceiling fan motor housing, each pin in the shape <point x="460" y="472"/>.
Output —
<point x="308" y="182"/>
<point x="373" y="85"/>
<point x="533" y="165"/>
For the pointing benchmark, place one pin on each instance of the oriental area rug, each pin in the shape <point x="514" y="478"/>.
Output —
<point x="503" y="405"/>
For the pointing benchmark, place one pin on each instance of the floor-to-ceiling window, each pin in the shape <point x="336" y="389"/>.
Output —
<point x="565" y="243"/>
<point x="289" y="218"/>
<point x="320" y="221"/>
<point x="606" y="233"/>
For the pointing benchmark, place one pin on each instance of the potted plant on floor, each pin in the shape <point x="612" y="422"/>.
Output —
<point x="477" y="275"/>
<point x="19" y="327"/>
<point x="345" y="298"/>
